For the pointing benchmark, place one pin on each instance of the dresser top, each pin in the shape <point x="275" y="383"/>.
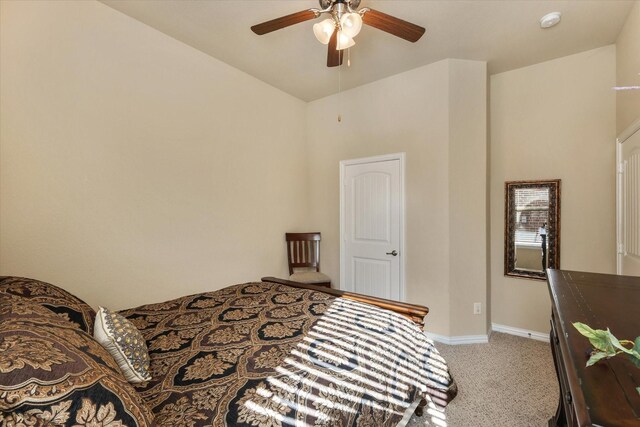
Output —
<point x="606" y="392"/>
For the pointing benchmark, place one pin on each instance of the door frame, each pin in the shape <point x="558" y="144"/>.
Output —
<point x="402" y="246"/>
<point x="626" y="134"/>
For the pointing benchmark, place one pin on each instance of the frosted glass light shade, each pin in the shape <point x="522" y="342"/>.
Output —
<point x="323" y="30"/>
<point x="344" y="41"/>
<point x="351" y="24"/>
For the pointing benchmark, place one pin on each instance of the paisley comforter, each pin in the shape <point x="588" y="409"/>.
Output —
<point x="265" y="354"/>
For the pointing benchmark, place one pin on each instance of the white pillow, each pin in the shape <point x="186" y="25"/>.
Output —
<point x="125" y="343"/>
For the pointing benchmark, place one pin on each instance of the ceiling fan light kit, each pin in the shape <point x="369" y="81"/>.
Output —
<point x="347" y="30"/>
<point x="344" y="24"/>
<point x="351" y="24"/>
<point x="323" y="30"/>
<point x="344" y="41"/>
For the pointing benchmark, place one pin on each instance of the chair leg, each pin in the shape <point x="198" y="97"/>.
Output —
<point x="420" y="408"/>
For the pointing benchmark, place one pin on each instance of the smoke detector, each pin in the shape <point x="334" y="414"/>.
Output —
<point x="550" y="19"/>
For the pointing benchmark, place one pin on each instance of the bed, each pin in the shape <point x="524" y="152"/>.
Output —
<point x="267" y="353"/>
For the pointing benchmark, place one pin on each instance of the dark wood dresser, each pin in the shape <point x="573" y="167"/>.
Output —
<point x="604" y="394"/>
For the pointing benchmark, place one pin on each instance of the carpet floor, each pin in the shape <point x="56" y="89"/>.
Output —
<point x="510" y="382"/>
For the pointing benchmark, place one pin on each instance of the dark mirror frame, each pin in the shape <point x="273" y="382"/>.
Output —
<point x="553" y="227"/>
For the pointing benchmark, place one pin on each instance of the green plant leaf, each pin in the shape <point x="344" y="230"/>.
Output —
<point x="635" y="355"/>
<point x="635" y="350"/>
<point x="596" y="357"/>
<point x="616" y="343"/>
<point x="584" y="329"/>
<point x="599" y="339"/>
<point x="638" y="390"/>
<point x="606" y="344"/>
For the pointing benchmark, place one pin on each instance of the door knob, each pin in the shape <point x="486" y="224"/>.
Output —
<point x="393" y="252"/>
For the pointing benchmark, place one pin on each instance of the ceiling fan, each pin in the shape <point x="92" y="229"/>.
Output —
<point x="343" y="25"/>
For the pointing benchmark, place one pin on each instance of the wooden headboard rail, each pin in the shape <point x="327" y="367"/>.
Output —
<point x="414" y="312"/>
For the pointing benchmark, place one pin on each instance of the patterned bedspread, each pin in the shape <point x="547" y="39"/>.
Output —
<point x="264" y="354"/>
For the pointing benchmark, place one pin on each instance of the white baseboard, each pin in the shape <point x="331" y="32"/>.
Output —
<point x="483" y="339"/>
<point x="539" y="336"/>
<point x="461" y="339"/>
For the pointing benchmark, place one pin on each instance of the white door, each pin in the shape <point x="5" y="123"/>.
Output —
<point x="629" y="247"/>
<point x="371" y="226"/>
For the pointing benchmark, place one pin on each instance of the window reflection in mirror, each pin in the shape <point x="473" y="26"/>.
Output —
<point x="532" y="225"/>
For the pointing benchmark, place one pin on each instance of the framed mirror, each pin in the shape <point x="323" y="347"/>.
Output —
<point x="532" y="228"/>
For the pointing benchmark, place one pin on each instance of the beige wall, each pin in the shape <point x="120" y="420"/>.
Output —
<point x="628" y="70"/>
<point x="467" y="196"/>
<point x="556" y="119"/>
<point x="435" y="114"/>
<point x="134" y="168"/>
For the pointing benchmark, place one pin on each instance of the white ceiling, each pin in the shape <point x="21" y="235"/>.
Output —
<point x="506" y="34"/>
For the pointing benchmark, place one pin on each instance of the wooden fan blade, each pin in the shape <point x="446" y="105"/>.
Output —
<point x="334" y="56"/>
<point x="392" y="25"/>
<point x="282" y="22"/>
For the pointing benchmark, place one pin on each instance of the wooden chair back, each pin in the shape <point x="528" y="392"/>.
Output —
<point x="303" y="250"/>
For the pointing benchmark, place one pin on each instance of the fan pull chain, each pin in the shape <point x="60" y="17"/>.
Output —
<point x="349" y="57"/>
<point x="339" y="93"/>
